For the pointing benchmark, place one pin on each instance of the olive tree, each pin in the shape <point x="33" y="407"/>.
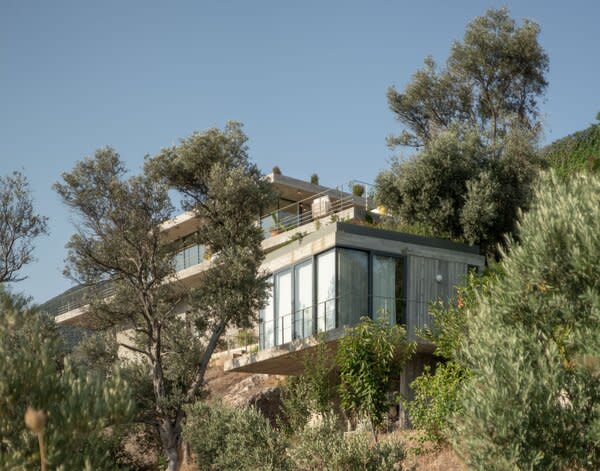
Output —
<point x="120" y="240"/>
<point x="532" y="347"/>
<point x="475" y="124"/>
<point x="19" y="226"/>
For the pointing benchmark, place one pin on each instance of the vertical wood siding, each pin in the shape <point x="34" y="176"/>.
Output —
<point x="423" y="289"/>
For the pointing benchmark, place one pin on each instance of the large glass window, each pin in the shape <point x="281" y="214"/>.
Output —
<point x="267" y="321"/>
<point x="353" y="286"/>
<point x="303" y="300"/>
<point x="326" y="291"/>
<point x="388" y="297"/>
<point x="283" y="307"/>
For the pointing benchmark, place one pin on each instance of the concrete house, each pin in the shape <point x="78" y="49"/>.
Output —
<point x="328" y="268"/>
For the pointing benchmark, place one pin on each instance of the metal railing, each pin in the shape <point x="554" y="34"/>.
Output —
<point x="77" y="298"/>
<point x="324" y="316"/>
<point x="317" y="206"/>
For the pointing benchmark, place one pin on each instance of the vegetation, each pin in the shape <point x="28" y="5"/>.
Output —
<point x="71" y="414"/>
<point x="575" y="153"/>
<point x="532" y="346"/>
<point x="314" y="179"/>
<point x="358" y="189"/>
<point x="325" y="446"/>
<point x="370" y="357"/>
<point x="475" y="123"/>
<point x="120" y="239"/>
<point x="19" y="226"/>
<point x="234" y="438"/>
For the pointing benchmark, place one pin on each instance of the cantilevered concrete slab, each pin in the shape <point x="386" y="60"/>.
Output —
<point x="286" y="359"/>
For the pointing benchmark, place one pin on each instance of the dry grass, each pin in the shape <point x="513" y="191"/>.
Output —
<point x="427" y="456"/>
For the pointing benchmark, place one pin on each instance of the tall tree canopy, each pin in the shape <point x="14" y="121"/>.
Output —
<point x="493" y="77"/>
<point x="174" y="328"/>
<point x="475" y="124"/>
<point x="19" y="226"/>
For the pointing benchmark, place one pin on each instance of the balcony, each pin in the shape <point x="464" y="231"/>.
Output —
<point x="333" y="204"/>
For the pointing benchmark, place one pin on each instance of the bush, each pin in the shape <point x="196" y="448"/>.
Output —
<point x="314" y="392"/>
<point x="533" y="343"/>
<point x="325" y="446"/>
<point x="370" y="357"/>
<point x="233" y="438"/>
<point x="435" y="400"/>
<point x="276" y="170"/>
<point x="314" y="179"/>
<point x="79" y="410"/>
<point x="358" y="189"/>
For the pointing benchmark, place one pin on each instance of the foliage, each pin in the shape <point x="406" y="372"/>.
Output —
<point x="435" y="400"/>
<point x="79" y="410"/>
<point x="494" y="76"/>
<point x="120" y="240"/>
<point x="577" y="152"/>
<point x="314" y="179"/>
<point x="358" y="189"/>
<point x="325" y="446"/>
<point x="276" y="170"/>
<point x="476" y="124"/>
<point x="461" y="188"/>
<point x="370" y="357"/>
<point x="233" y="438"/>
<point x="533" y="343"/>
<point x="313" y="392"/>
<point x="19" y="226"/>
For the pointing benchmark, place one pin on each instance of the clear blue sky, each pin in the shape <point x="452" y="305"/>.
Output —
<point x="307" y="78"/>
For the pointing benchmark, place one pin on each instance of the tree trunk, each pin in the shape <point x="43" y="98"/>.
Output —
<point x="170" y="436"/>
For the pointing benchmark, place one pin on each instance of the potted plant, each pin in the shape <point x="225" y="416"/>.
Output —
<point x="276" y="227"/>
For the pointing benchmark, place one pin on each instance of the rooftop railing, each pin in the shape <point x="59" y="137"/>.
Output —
<point x="355" y="194"/>
<point x="76" y="298"/>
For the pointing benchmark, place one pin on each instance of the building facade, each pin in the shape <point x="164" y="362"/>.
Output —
<point x="329" y="266"/>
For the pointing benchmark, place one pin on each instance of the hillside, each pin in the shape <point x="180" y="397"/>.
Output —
<point x="577" y="151"/>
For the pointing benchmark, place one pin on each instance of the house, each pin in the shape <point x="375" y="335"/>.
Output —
<point x="328" y="268"/>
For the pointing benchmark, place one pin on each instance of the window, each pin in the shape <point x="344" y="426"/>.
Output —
<point x="388" y="297"/>
<point x="266" y="321"/>
<point x="333" y="289"/>
<point x="303" y="300"/>
<point x="283" y="307"/>
<point x="353" y="286"/>
<point x="326" y="291"/>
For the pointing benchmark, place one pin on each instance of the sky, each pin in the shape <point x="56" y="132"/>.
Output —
<point x="308" y="80"/>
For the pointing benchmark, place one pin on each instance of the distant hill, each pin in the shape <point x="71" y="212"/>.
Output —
<point x="578" y="151"/>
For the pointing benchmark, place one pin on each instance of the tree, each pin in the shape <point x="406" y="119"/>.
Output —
<point x="74" y="412"/>
<point x="19" y="226"/>
<point x="475" y="124"/>
<point x="493" y="77"/>
<point x="174" y="329"/>
<point x="533" y="343"/>
<point x="370" y="356"/>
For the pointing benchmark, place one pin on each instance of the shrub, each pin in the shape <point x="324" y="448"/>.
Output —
<point x="370" y="357"/>
<point x="314" y="179"/>
<point x="233" y="438"/>
<point x="533" y="343"/>
<point x="276" y="170"/>
<point x="314" y="392"/>
<point x="79" y="410"/>
<point x="358" y="189"/>
<point x="325" y="446"/>
<point x="435" y="400"/>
